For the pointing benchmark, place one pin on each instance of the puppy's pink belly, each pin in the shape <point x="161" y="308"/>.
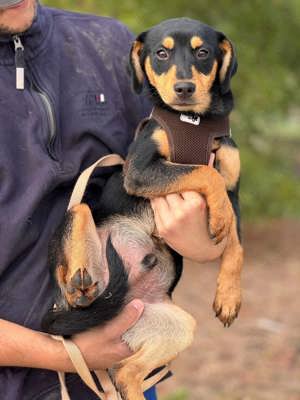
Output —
<point x="147" y="281"/>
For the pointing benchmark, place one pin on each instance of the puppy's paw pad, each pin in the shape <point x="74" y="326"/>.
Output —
<point x="227" y="307"/>
<point x="80" y="290"/>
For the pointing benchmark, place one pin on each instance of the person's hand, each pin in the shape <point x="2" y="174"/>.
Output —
<point x="181" y="220"/>
<point x="102" y="346"/>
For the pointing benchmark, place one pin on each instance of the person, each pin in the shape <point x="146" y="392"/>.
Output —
<point x="65" y="101"/>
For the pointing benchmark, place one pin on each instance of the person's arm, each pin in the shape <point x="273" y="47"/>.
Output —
<point x="23" y="347"/>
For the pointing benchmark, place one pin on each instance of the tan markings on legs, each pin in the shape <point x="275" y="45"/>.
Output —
<point x="76" y="245"/>
<point x="196" y="41"/>
<point x="82" y="251"/>
<point x="168" y="43"/>
<point x="60" y="276"/>
<point x="222" y="221"/>
<point x="228" y="296"/>
<point x="162" y="332"/>
<point x="208" y="182"/>
<point x="228" y="158"/>
<point x="161" y="139"/>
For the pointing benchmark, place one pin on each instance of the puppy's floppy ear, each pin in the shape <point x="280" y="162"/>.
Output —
<point x="135" y="67"/>
<point x="229" y="63"/>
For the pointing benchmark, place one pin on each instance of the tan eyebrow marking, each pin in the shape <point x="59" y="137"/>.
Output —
<point x="196" y="41"/>
<point x="168" y="43"/>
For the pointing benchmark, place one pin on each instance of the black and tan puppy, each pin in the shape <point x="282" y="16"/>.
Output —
<point x="187" y="67"/>
<point x="104" y="258"/>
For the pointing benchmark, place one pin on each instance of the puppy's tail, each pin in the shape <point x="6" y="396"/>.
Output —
<point x="106" y="307"/>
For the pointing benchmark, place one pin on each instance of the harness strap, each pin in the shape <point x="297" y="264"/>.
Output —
<point x="107" y="385"/>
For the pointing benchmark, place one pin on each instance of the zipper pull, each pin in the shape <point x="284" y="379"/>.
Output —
<point x="20" y="63"/>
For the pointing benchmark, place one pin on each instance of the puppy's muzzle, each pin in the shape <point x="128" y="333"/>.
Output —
<point x="184" y="90"/>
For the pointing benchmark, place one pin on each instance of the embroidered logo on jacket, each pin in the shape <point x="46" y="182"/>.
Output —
<point x="93" y="104"/>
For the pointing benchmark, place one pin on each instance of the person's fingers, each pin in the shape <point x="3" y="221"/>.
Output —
<point x="177" y="208"/>
<point x="122" y="351"/>
<point x="194" y="199"/>
<point x="128" y="317"/>
<point x="157" y="205"/>
<point x="158" y="223"/>
<point x="161" y="211"/>
<point x="174" y="200"/>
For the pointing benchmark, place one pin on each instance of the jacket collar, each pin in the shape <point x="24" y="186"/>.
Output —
<point x="34" y="39"/>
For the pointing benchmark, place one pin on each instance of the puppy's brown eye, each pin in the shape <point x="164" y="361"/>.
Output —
<point x="202" y="53"/>
<point x="162" y="54"/>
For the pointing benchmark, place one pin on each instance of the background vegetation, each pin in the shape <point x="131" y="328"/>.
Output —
<point x="267" y="115"/>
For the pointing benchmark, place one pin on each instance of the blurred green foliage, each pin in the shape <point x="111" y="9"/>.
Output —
<point x="266" y="120"/>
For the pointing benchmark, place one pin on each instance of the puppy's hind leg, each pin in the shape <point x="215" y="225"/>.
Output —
<point x="163" y="331"/>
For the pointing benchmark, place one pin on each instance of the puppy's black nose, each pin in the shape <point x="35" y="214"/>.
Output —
<point x="184" y="90"/>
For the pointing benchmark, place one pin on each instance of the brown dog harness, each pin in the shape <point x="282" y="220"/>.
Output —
<point x="190" y="138"/>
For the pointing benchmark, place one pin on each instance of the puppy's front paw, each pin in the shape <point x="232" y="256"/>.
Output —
<point x="227" y="303"/>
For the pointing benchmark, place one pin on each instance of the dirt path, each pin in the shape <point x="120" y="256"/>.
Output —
<point x="258" y="358"/>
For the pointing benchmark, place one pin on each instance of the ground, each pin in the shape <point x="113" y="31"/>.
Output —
<point x="258" y="357"/>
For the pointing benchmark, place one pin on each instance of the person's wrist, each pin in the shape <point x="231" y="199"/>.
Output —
<point x="58" y="357"/>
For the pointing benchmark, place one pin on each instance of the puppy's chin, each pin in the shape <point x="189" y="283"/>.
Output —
<point x="195" y="108"/>
<point x="194" y="105"/>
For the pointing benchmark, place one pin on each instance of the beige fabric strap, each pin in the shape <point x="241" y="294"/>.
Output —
<point x="80" y="365"/>
<point x="107" y="161"/>
<point x="110" y="392"/>
<point x="63" y="388"/>
<point x="83" y="371"/>
<point x="107" y="385"/>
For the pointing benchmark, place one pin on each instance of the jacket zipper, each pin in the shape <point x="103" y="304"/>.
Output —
<point x="40" y="94"/>
<point x="20" y="63"/>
